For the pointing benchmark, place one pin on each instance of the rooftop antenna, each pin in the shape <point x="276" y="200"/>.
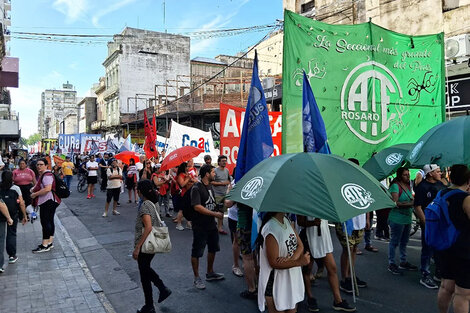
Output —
<point x="164" y="15"/>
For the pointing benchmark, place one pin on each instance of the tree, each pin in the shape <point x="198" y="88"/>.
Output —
<point x="33" y="139"/>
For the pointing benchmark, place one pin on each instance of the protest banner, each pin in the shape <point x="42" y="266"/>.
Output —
<point x="231" y="124"/>
<point x="374" y="87"/>
<point x="69" y="143"/>
<point x="181" y="136"/>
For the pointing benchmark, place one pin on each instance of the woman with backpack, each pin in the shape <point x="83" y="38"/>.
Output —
<point x="400" y="219"/>
<point x="48" y="202"/>
<point x="11" y="196"/>
<point x="146" y="219"/>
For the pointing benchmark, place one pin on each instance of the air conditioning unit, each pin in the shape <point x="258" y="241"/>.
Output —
<point x="457" y="46"/>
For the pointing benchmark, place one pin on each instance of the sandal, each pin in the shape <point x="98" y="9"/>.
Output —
<point x="371" y="249"/>
<point x="359" y="252"/>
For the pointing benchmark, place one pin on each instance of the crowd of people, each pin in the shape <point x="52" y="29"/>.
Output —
<point x="279" y="267"/>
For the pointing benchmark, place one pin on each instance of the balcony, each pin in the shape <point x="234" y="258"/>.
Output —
<point x="97" y="125"/>
<point x="110" y="91"/>
<point x="9" y="126"/>
<point x="7" y="5"/>
<point x="7" y="21"/>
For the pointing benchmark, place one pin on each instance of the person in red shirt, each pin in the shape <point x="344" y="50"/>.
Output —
<point x="182" y="183"/>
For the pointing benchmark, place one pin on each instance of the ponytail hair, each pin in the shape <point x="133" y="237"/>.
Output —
<point x="147" y="190"/>
<point x="260" y="239"/>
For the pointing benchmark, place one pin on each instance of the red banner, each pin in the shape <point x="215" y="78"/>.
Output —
<point x="231" y="125"/>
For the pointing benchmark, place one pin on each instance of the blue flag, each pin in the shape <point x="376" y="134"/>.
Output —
<point x="256" y="142"/>
<point x="315" y="139"/>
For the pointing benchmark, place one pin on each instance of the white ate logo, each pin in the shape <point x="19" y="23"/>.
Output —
<point x="359" y="109"/>
<point x="356" y="196"/>
<point x="251" y="188"/>
<point x="393" y="159"/>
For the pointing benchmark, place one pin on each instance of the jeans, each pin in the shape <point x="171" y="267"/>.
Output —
<point x="68" y="180"/>
<point x="426" y="253"/>
<point x="399" y="237"/>
<point x="148" y="276"/>
<point x="163" y="202"/>
<point x="47" y="212"/>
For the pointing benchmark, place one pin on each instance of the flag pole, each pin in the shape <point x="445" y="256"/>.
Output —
<point x="351" y="267"/>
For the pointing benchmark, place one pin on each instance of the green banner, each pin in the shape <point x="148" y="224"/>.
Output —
<point x="374" y="87"/>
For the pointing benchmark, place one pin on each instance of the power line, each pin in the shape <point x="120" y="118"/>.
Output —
<point x="221" y="71"/>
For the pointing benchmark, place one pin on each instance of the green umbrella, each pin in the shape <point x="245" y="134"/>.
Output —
<point x="311" y="184"/>
<point x="444" y="144"/>
<point x="387" y="161"/>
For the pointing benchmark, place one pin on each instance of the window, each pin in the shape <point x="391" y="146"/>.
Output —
<point x="307" y="7"/>
<point x="448" y="5"/>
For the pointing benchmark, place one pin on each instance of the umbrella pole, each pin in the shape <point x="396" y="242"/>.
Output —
<point x="351" y="268"/>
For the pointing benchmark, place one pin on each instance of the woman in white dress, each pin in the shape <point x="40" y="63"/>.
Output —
<point x="316" y="239"/>
<point x="282" y="254"/>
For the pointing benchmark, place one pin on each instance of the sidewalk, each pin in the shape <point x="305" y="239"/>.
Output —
<point x="55" y="281"/>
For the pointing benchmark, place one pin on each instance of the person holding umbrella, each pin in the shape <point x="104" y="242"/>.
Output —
<point x="282" y="255"/>
<point x="400" y="219"/>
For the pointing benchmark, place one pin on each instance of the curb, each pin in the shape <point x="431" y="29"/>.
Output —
<point x="95" y="286"/>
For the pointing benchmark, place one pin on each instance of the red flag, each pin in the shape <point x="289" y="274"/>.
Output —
<point x="150" y="138"/>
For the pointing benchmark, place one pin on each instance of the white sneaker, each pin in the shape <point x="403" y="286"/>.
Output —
<point x="237" y="271"/>
<point x="179" y="227"/>
<point x="104" y="214"/>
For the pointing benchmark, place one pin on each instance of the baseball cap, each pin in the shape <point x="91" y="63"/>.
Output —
<point x="428" y="168"/>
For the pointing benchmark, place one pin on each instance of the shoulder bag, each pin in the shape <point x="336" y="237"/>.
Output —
<point x="158" y="241"/>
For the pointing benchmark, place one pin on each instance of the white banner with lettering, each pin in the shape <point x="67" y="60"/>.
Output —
<point x="181" y="136"/>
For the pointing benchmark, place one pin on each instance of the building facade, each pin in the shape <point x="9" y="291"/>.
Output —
<point x="87" y="114"/>
<point x="138" y="63"/>
<point x="56" y="104"/>
<point x="9" y="120"/>
<point x="70" y="124"/>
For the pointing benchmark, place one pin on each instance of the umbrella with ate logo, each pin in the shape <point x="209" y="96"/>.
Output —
<point x="311" y="184"/>
<point x="387" y="161"/>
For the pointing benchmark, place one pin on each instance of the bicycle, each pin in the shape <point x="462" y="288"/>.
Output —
<point x="82" y="183"/>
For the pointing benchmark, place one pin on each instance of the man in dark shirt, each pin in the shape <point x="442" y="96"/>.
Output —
<point x="204" y="227"/>
<point x="103" y="164"/>
<point x="424" y="194"/>
<point x="455" y="261"/>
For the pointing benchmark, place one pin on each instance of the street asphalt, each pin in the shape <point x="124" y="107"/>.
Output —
<point x="106" y="245"/>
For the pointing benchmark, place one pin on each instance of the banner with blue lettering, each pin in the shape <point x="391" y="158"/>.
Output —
<point x="69" y="143"/>
<point x="181" y="136"/>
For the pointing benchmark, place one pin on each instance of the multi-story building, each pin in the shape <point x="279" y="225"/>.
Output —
<point x="87" y="113"/>
<point x="70" y="124"/>
<point x="138" y="61"/>
<point x="56" y="104"/>
<point x="9" y="121"/>
<point x="404" y="16"/>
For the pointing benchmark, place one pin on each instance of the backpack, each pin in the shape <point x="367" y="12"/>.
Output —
<point x="440" y="232"/>
<point x="59" y="188"/>
<point x="188" y="210"/>
<point x="10" y="197"/>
